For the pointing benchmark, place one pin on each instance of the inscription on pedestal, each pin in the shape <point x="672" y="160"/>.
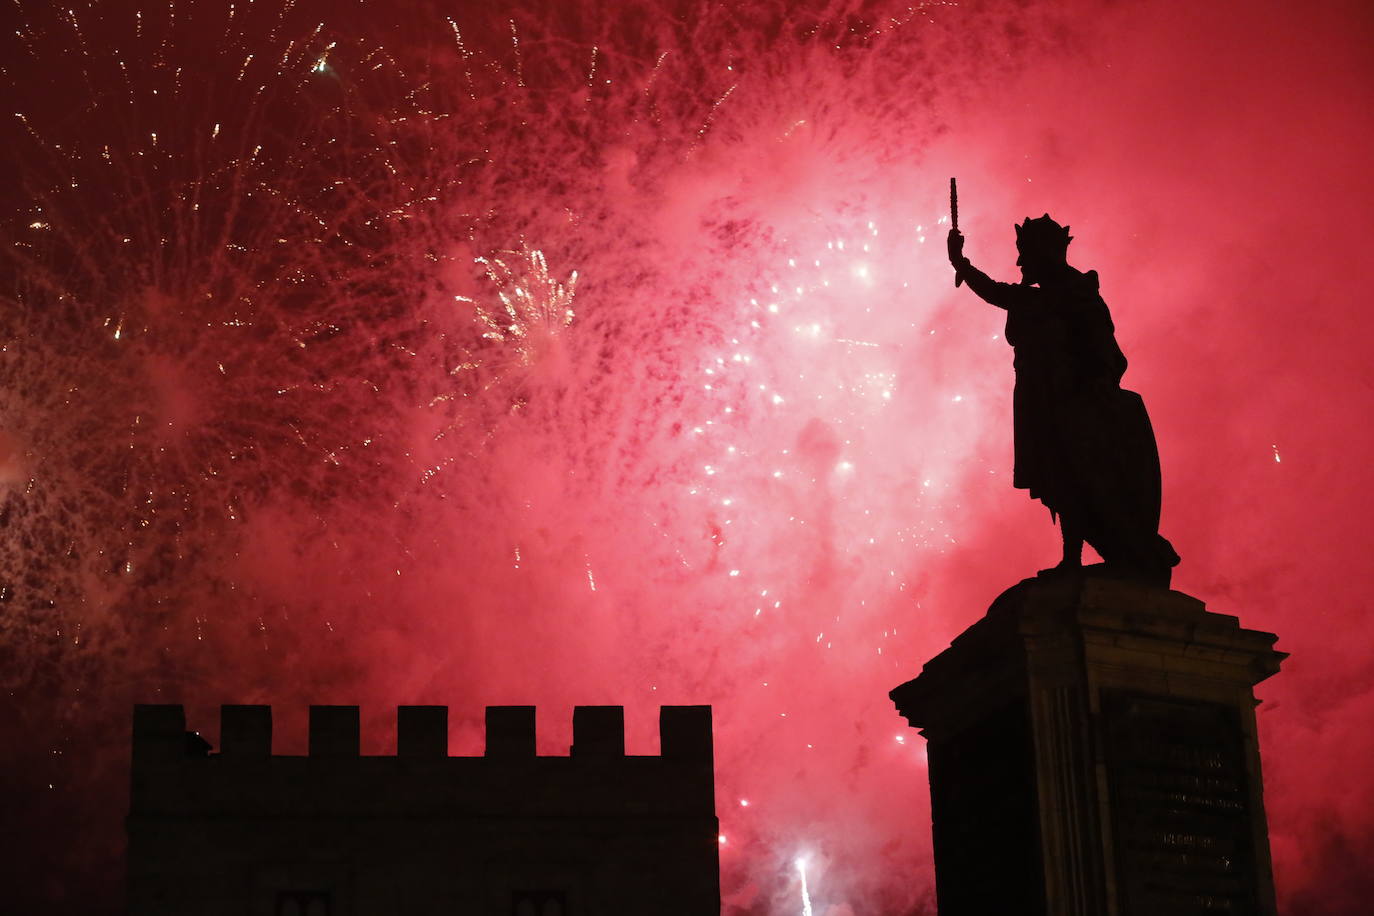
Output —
<point x="1180" y="807"/>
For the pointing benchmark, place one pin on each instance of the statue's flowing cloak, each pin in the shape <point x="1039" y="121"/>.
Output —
<point x="1083" y="445"/>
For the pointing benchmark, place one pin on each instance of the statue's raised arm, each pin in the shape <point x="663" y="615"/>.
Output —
<point x="1083" y="445"/>
<point x="1002" y="295"/>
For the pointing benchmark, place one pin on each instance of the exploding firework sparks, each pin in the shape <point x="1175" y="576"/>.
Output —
<point x="292" y="407"/>
<point x="235" y="335"/>
<point x="237" y="344"/>
<point x="535" y="309"/>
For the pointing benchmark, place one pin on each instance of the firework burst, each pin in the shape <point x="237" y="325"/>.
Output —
<point x="535" y="308"/>
<point x="283" y="372"/>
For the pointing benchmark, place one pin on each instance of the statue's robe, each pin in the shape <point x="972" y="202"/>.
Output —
<point x="1083" y="445"/>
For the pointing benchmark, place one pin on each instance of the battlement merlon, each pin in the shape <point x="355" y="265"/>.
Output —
<point x="245" y="731"/>
<point x="159" y="734"/>
<point x="172" y="765"/>
<point x="510" y="731"/>
<point x="334" y="731"/>
<point x="422" y="731"/>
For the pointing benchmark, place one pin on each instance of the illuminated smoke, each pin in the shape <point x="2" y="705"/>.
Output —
<point x="299" y="404"/>
<point x="295" y="339"/>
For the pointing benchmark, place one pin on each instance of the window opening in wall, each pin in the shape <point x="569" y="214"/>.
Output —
<point x="539" y="903"/>
<point x="304" y="903"/>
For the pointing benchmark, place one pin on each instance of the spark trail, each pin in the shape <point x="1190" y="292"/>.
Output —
<point x="295" y="362"/>
<point x="520" y="356"/>
<point x="261" y="387"/>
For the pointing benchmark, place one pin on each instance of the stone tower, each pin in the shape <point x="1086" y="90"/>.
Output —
<point x="250" y="833"/>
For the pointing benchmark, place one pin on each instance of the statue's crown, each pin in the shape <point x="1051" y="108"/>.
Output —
<point x="1042" y="235"/>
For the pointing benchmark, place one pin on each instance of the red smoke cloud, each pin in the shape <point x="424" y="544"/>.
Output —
<point x="293" y="442"/>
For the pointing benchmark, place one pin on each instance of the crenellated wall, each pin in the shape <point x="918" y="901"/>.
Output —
<point x="232" y="830"/>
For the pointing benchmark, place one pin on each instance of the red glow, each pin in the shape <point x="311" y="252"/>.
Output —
<point x="297" y="453"/>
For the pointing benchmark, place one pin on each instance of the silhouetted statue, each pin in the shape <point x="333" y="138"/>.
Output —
<point x="1084" y="446"/>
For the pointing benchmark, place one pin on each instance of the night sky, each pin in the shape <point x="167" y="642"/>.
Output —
<point x="607" y="352"/>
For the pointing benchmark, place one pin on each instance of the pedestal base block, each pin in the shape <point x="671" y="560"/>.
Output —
<point x="1092" y="750"/>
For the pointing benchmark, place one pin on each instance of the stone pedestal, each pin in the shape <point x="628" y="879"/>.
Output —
<point x="1092" y="751"/>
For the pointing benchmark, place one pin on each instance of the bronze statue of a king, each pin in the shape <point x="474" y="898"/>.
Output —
<point x="1084" y="446"/>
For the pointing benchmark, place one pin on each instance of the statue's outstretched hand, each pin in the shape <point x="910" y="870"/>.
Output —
<point x="955" y="243"/>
